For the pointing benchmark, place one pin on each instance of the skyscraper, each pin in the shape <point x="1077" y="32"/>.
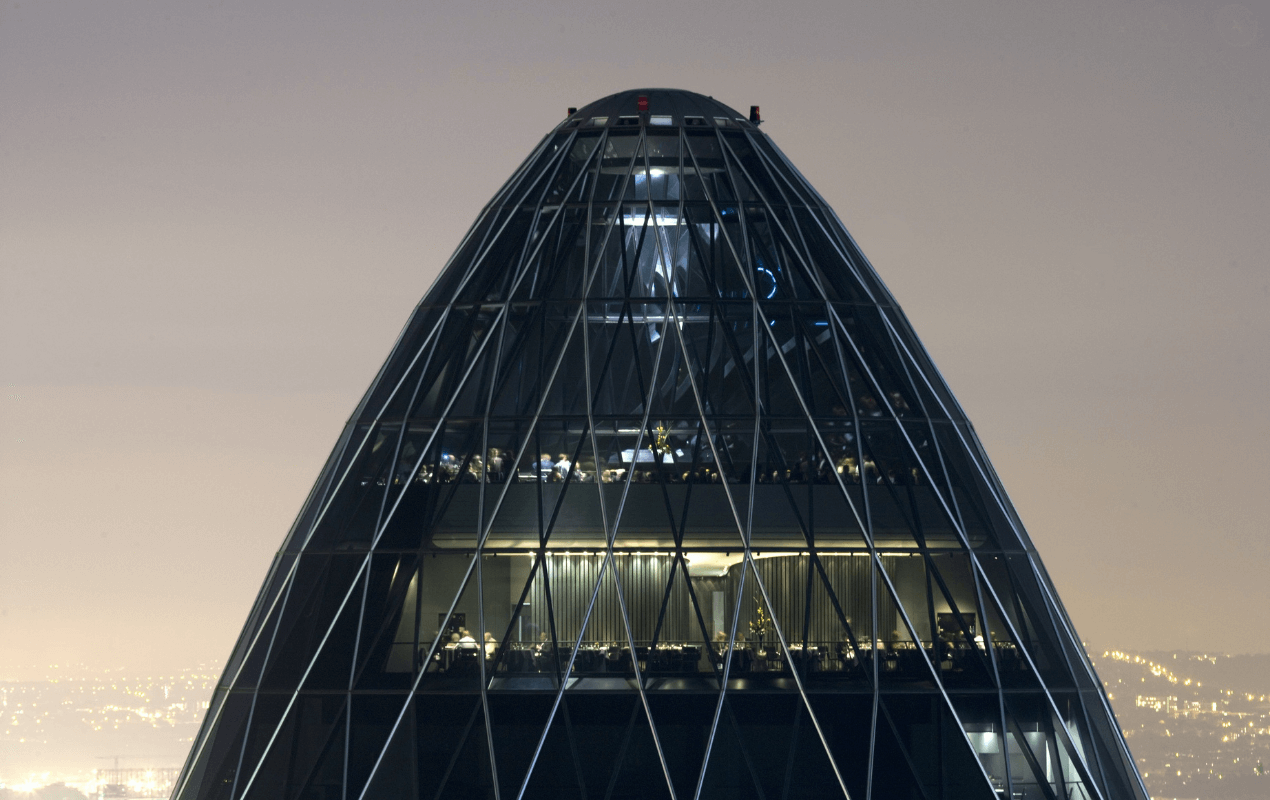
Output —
<point x="658" y="495"/>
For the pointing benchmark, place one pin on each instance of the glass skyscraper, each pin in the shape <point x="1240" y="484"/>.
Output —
<point x="658" y="495"/>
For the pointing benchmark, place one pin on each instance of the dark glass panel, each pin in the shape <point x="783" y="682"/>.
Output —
<point x="911" y="722"/>
<point x="924" y="375"/>
<point x="318" y="655"/>
<point x="264" y="720"/>
<point x="1020" y="646"/>
<point x="762" y="749"/>
<point x="307" y="734"/>
<point x="315" y="605"/>
<point x="683" y="727"/>
<point x="822" y="376"/>
<point x="560" y="770"/>
<point x="468" y="772"/>
<point x="731" y="771"/>
<point x="565" y="182"/>
<point x="712" y="251"/>
<point x="723" y="362"/>
<point x="563" y="375"/>
<point x="905" y="511"/>
<point x="447" y="732"/>
<point x="386" y="593"/>
<point x="348" y="519"/>
<point x="980" y="515"/>
<point x="264" y="616"/>
<point x="500" y="272"/>
<point x="455" y="381"/>
<point x="747" y="167"/>
<point x="845" y="721"/>
<point x="213" y="773"/>
<point x="836" y="275"/>
<point x="517" y="724"/>
<point x="372" y="717"/>
<point x="885" y="391"/>
<point x="325" y="779"/>
<point x="638" y="771"/>
<point x="418" y="337"/>
<point x="396" y="775"/>
<point x="564" y="273"/>
<point x="895" y="772"/>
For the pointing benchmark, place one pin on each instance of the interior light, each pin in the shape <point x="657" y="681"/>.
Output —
<point x="639" y="220"/>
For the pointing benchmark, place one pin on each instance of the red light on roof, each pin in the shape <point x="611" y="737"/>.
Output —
<point x="643" y="103"/>
<point x="754" y="115"/>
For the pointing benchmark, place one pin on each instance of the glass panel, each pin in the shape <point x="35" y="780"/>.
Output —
<point x="632" y="768"/>
<point x="904" y="653"/>
<point x="731" y="771"/>
<point x="317" y="595"/>
<point x="845" y="720"/>
<point x="372" y="719"/>
<point x="211" y="775"/>
<point x="308" y="734"/>
<point x="467" y="772"/>
<point x="519" y="638"/>
<point x="683" y="726"/>
<point x="560" y="769"/>
<point x="517" y="723"/>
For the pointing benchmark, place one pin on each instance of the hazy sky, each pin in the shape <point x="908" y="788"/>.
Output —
<point x="216" y="216"/>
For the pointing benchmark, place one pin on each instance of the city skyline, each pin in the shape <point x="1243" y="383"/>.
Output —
<point x="197" y="246"/>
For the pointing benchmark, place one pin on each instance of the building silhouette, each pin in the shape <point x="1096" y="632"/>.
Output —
<point x="658" y="495"/>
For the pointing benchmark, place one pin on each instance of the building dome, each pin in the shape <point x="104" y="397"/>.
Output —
<point x="658" y="495"/>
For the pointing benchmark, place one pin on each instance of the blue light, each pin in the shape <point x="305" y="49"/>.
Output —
<point x="772" y="293"/>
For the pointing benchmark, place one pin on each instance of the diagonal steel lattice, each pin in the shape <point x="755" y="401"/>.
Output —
<point x="661" y="434"/>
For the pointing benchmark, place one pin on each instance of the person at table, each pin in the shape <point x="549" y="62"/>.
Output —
<point x="898" y="403"/>
<point x="490" y="645"/>
<point x="869" y="406"/>
<point x="494" y="465"/>
<point x="545" y="466"/>
<point x="870" y="470"/>
<point x="466" y="641"/>
<point x="563" y="465"/>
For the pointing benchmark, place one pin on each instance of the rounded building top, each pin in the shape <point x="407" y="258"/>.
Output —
<point x="656" y="107"/>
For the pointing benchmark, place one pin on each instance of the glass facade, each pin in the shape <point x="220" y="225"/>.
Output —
<point x="658" y="495"/>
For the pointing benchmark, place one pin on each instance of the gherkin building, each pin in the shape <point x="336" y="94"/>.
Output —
<point x="658" y="495"/>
